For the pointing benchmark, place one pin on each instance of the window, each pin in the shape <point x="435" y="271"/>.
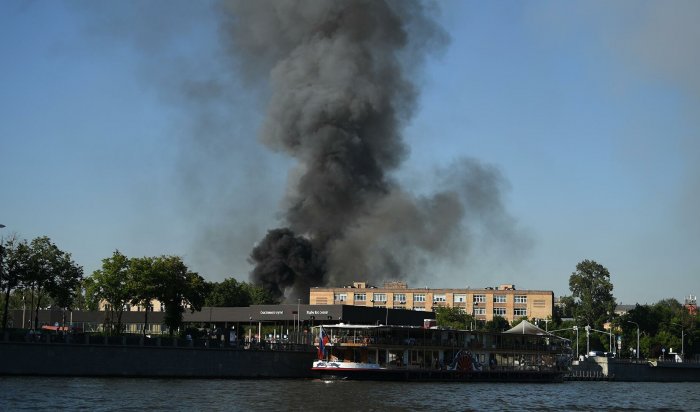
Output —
<point x="460" y="298"/>
<point x="479" y="311"/>
<point x="419" y="297"/>
<point x="439" y="298"/>
<point x="360" y="297"/>
<point x="520" y="299"/>
<point x="400" y="297"/>
<point x="340" y="297"/>
<point x="520" y="312"/>
<point x="379" y="297"/>
<point x="499" y="298"/>
<point x="479" y="298"/>
<point x="499" y="311"/>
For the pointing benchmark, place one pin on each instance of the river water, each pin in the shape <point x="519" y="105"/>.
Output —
<point x="117" y="394"/>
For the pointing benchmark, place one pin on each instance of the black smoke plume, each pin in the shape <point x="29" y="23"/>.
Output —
<point x="338" y="78"/>
<point x="285" y="260"/>
<point x="340" y="92"/>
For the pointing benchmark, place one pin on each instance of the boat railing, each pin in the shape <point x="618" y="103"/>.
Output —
<point x="418" y="342"/>
<point x="85" y="339"/>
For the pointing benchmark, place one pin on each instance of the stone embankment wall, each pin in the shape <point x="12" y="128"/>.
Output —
<point x="151" y="361"/>
<point x="624" y="370"/>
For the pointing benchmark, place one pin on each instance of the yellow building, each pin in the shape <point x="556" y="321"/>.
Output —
<point x="155" y="306"/>
<point x="484" y="304"/>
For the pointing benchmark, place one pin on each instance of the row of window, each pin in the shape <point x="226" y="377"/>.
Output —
<point x="135" y="308"/>
<point x="420" y="297"/>
<point x="501" y="311"/>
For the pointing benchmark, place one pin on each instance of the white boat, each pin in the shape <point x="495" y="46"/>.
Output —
<point x="431" y="354"/>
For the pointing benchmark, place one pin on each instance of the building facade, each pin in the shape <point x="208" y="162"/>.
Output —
<point x="504" y="301"/>
<point x="154" y="306"/>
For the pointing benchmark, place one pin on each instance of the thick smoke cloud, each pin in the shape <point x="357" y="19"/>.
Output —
<point x="340" y="92"/>
<point x="334" y="84"/>
<point x="291" y="259"/>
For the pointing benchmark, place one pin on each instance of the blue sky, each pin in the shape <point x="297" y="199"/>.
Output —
<point x="589" y="110"/>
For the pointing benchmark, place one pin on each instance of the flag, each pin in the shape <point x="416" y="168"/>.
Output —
<point x="322" y="341"/>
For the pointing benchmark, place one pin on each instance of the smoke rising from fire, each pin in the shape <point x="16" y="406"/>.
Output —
<point x="340" y="76"/>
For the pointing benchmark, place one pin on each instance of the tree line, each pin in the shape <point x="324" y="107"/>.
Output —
<point x="38" y="273"/>
<point x="663" y="326"/>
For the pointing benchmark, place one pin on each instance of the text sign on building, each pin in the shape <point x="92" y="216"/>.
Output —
<point x="272" y="312"/>
<point x="316" y="312"/>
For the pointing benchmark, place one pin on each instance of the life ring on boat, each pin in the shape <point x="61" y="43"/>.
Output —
<point x="464" y="362"/>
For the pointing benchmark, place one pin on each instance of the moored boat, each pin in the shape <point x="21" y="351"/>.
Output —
<point x="402" y="353"/>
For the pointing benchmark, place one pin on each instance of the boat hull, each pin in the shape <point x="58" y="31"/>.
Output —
<point x="430" y="375"/>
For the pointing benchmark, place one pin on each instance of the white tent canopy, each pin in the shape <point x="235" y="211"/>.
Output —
<point x="526" y="328"/>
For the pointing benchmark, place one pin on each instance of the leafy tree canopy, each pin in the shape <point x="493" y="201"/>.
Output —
<point x="232" y="293"/>
<point x="497" y="324"/>
<point x="591" y="290"/>
<point x="454" y="318"/>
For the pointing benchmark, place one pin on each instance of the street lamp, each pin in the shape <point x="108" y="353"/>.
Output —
<point x="298" y="325"/>
<point x="629" y="321"/>
<point x="682" y="340"/>
<point x="575" y="328"/>
<point x="588" y="339"/>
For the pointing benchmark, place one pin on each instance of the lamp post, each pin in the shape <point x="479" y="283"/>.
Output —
<point x="546" y="324"/>
<point x="298" y="325"/>
<point x="629" y="321"/>
<point x="682" y="340"/>
<point x="575" y="328"/>
<point x="588" y="339"/>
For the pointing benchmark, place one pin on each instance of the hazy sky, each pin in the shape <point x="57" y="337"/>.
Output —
<point x="126" y="125"/>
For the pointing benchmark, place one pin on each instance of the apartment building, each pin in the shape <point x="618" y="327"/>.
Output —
<point x="504" y="301"/>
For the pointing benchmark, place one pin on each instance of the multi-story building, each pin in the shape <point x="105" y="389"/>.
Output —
<point x="154" y="306"/>
<point x="504" y="301"/>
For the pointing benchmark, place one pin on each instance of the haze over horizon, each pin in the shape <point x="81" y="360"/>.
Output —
<point x="132" y="126"/>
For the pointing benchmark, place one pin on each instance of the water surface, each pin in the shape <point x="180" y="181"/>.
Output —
<point x="117" y="394"/>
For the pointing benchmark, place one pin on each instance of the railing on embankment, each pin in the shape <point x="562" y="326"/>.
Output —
<point x="625" y="370"/>
<point x="139" y="356"/>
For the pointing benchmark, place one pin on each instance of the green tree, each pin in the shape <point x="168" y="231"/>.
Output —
<point x="143" y="285"/>
<point x="454" y="318"/>
<point x="566" y="308"/>
<point x="229" y="293"/>
<point x="39" y="272"/>
<point x="51" y="271"/>
<point x="592" y="291"/>
<point x="232" y="293"/>
<point x="260" y="295"/>
<point x="497" y="324"/>
<point x="111" y="285"/>
<point x="15" y="269"/>
<point x="65" y="282"/>
<point x="90" y="292"/>
<point x="176" y="287"/>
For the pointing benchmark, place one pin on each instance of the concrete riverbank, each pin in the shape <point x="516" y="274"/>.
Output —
<point x="164" y="357"/>
<point x="625" y="370"/>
